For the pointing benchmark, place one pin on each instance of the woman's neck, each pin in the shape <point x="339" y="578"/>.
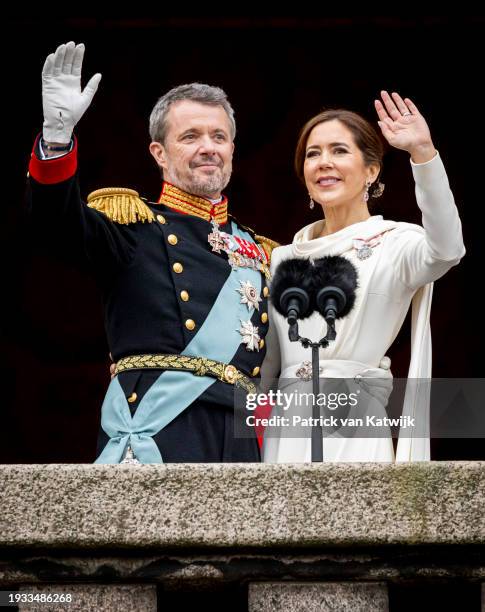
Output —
<point x="337" y="218"/>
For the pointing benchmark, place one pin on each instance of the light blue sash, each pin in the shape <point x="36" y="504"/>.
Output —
<point x="172" y="392"/>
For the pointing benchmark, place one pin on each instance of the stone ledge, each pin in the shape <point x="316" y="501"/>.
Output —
<point x="225" y="569"/>
<point x="242" y="505"/>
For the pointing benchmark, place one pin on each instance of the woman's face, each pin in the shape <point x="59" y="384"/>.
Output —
<point x="334" y="169"/>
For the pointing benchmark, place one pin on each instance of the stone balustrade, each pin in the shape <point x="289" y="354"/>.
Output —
<point x="263" y="537"/>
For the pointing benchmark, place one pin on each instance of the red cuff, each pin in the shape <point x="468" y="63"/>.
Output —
<point x="50" y="171"/>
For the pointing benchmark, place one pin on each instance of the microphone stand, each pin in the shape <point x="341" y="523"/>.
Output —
<point x="317" y="429"/>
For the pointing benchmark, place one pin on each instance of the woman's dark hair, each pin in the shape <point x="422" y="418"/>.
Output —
<point x="365" y="136"/>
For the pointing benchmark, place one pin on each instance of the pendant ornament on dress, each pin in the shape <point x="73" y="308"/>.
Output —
<point x="305" y="371"/>
<point x="364" y="248"/>
<point x="364" y="252"/>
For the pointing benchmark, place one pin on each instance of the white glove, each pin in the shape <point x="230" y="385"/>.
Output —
<point x="62" y="99"/>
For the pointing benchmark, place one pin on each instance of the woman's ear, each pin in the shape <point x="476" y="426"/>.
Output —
<point x="373" y="172"/>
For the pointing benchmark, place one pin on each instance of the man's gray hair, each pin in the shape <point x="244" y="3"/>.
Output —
<point x="198" y="92"/>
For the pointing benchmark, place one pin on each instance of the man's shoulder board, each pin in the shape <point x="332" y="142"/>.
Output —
<point x="120" y="205"/>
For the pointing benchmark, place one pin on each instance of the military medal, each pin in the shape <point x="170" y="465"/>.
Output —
<point x="235" y="260"/>
<point x="215" y="238"/>
<point x="241" y="253"/>
<point x="250" y="336"/>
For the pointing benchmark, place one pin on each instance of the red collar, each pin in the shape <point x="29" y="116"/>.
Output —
<point x="189" y="204"/>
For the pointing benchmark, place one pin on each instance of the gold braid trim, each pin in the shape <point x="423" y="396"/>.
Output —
<point x="199" y="366"/>
<point x="121" y="205"/>
<point x="173" y="197"/>
<point x="172" y="202"/>
<point x="267" y="243"/>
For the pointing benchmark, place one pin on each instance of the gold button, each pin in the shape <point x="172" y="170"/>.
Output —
<point x="133" y="397"/>
<point x="261" y="343"/>
<point x="178" y="267"/>
<point x="264" y="317"/>
<point x="255" y="372"/>
<point x="184" y="296"/>
<point x="161" y="219"/>
<point x="266" y="292"/>
<point x="172" y="239"/>
<point x="189" y="324"/>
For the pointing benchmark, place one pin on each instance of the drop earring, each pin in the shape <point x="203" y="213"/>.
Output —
<point x="368" y="183"/>
<point x="379" y="190"/>
<point x="311" y="203"/>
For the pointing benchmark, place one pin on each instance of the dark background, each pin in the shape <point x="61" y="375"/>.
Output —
<point x="278" y="72"/>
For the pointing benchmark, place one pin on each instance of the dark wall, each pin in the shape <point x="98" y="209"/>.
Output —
<point x="277" y="72"/>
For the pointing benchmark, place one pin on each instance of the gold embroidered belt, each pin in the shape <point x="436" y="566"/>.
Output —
<point x="199" y="366"/>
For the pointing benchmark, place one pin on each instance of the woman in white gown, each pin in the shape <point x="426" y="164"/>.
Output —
<point x="339" y="158"/>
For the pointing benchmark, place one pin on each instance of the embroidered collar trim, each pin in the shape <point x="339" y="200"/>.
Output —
<point x="189" y="204"/>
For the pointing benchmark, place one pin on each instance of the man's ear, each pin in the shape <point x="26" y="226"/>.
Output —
<point x="159" y="153"/>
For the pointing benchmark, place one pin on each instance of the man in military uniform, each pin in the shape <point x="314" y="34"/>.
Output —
<point x="184" y="285"/>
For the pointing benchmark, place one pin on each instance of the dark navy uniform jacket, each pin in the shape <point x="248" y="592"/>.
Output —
<point x="145" y="299"/>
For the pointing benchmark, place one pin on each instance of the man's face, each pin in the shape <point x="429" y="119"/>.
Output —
<point x="197" y="153"/>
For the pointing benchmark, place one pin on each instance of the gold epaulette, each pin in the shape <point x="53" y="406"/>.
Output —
<point x="267" y="244"/>
<point x="121" y="205"/>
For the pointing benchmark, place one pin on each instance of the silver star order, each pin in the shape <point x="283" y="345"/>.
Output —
<point x="249" y="335"/>
<point x="249" y="295"/>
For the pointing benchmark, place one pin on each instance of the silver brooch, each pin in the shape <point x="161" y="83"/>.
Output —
<point x="364" y="252"/>
<point x="250" y="336"/>
<point x="130" y="457"/>
<point x="249" y="295"/>
<point x="305" y="371"/>
<point x="363" y="249"/>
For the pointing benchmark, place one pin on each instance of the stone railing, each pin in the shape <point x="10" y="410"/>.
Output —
<point x="260" y="537"/>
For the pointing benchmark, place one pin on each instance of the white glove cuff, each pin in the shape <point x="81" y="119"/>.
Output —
<point x="60" y="133"/>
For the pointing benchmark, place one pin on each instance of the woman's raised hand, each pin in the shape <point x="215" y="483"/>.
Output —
<point x="404" y="127"/>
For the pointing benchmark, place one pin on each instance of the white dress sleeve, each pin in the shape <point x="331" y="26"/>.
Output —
<point x="423" y="257"/>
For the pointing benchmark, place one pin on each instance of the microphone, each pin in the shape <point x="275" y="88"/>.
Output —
<point x="301" y="286"/>
<point x="294" y="301"/>
<point x="292" y="291"/>
<point x="335" y="282"/>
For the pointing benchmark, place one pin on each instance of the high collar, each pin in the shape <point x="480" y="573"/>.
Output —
<point x="190" y="204"/>
<point x="307" y="243"/>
